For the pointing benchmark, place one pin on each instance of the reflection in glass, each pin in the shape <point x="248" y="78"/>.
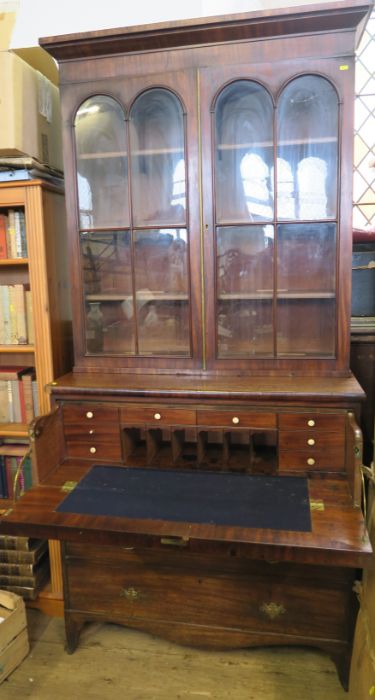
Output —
<point x="244" y="327"/>
<point x="245" y="260"/>
<point x="307" y="149"/>
<point x="162" y="291"/>
<point x="306" y="327"/>
<point x="306" y="275"/>
<point x="158" y="159"/>
<point x="101" y="163"/>
<point x="307" y="258"/>
<point x="244" y="153"/>
<point x="107" y="285"/>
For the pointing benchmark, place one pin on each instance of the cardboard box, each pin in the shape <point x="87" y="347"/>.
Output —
<point x="14" y="642"/>
<point x="30" y="120"/>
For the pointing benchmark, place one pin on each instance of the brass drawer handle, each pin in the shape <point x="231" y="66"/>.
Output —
<point x="311" y="423"/>
<point x="311" y="461"/>
<point x="235" y="420"/>
<point x="92" y="450"/>
<point x="175" y="541"/>
<point x="311" y="441"/>
<point x="157" y="416"/>
<point x="272" y="610"/>
<point x="89" y="414"/>
<point x="131" y="594"/>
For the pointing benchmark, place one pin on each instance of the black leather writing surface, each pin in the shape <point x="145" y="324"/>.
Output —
<point x="218" y="498"/>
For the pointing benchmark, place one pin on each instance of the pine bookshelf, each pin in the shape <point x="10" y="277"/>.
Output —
<point x="43" y="270"/>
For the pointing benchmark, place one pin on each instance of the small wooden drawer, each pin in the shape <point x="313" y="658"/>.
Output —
<point x="329" y="460"/>
<point x="95" y="450"/>
<point x="327" y="422"/>
<point x="311" y="440"/>
<point x="90" y="414"/>
<point x="237" y="419"/>
<point x="156" y="415"/>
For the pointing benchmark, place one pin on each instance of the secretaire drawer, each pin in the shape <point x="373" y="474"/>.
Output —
<point x="329" y="422"/>
<point x="237" y="419"/>
<point x="95" y="449"/>
<point x="158" y="415"/>
<point x="90" y="414"/>
<point x="331" y="460"/>
<point x="310" y="439"/>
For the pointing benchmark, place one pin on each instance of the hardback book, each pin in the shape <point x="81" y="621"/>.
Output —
<point x="11" y="234"/>
<point x="14" y="371"/>
<point x="25" y="556"/>
<point x="33" y="580"/>
<point x="19" y="542"/>
<point x="4" y="301"/>
<point x="20" y="569"/>
<point x="27" y="380"/>
<point x="3" y="236"/>
<point x="29" y="317"/>
<point x="20" y="310"/>
<point x="4" y="406"/>
<point x="12" y="315"/>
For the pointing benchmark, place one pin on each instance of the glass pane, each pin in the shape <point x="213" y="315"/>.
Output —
<point x="245" y="261"/>
<point x="306" y="281"/>
<point x="244" y="153"/>
<point x="244" y="327"/>
<point x="102" y="168"/>
<point x="158" y="181"/>
<point x="107" y="285"/>
<point x="306" y="327"/>
<point x="306" y="258"/>
<point x="162" y="291"/>
<point x="307" y="149"/>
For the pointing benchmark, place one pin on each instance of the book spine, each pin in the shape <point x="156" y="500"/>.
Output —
<point x="4" y="493"/>
<point x="4" y="289"/>
<point x="23" y="234"/>
<point x="27" y="474"/>
<point x="14" y="542"/>
<point x="29" y="317"/>
<point x="10" y="401"/>
<point x="12" y="315"/>
<point x="35" y="390"/>
<point x="4" y="406"/>
<point x="11" y="234"/>
<point x="17" y="228"/>
<point x="16" y="401"/>
<point x="10" y="569"/>
<point x="28" y="397"/>
<point x="20" y="310"/>
<point x="3" y="237"/>
<point x="22" y="401"/>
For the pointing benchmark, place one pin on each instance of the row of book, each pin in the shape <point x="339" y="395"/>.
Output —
<point x="24" y="565"/>
<point x="13" y="243"/>
<point x="11" y="456"/>
<point x="19" y="400"/>
<point x="16" y="315"/>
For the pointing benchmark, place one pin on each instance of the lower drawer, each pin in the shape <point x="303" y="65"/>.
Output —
<point x="102" y="451"/>
<point x="331" y="460"/>
<point x="211" y="591"/>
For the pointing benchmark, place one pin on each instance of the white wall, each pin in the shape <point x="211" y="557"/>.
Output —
<point x="36" y="18"/>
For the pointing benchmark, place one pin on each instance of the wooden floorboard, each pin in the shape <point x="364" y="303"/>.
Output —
<point x="112" y="663"/>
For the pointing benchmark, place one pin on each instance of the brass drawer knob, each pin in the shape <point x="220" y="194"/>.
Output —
<point x="311" y="461"/>
<point x="311" y="441"/>
<point x="89" y="414"/>
<point x="130" y="594"/>
<point x="272" y="610"/>
<point x="92" y="450"/>
<point x="235" y="420"/>
<point x="311" y="423"/>
<point x="157" y="416"/>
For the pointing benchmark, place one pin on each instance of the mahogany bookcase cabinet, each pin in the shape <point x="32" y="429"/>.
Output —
<point x="202" y="462"/>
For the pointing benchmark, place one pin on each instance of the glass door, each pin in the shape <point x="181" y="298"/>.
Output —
<point x="274" y="219"/>
<point x="135" y="247"/>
